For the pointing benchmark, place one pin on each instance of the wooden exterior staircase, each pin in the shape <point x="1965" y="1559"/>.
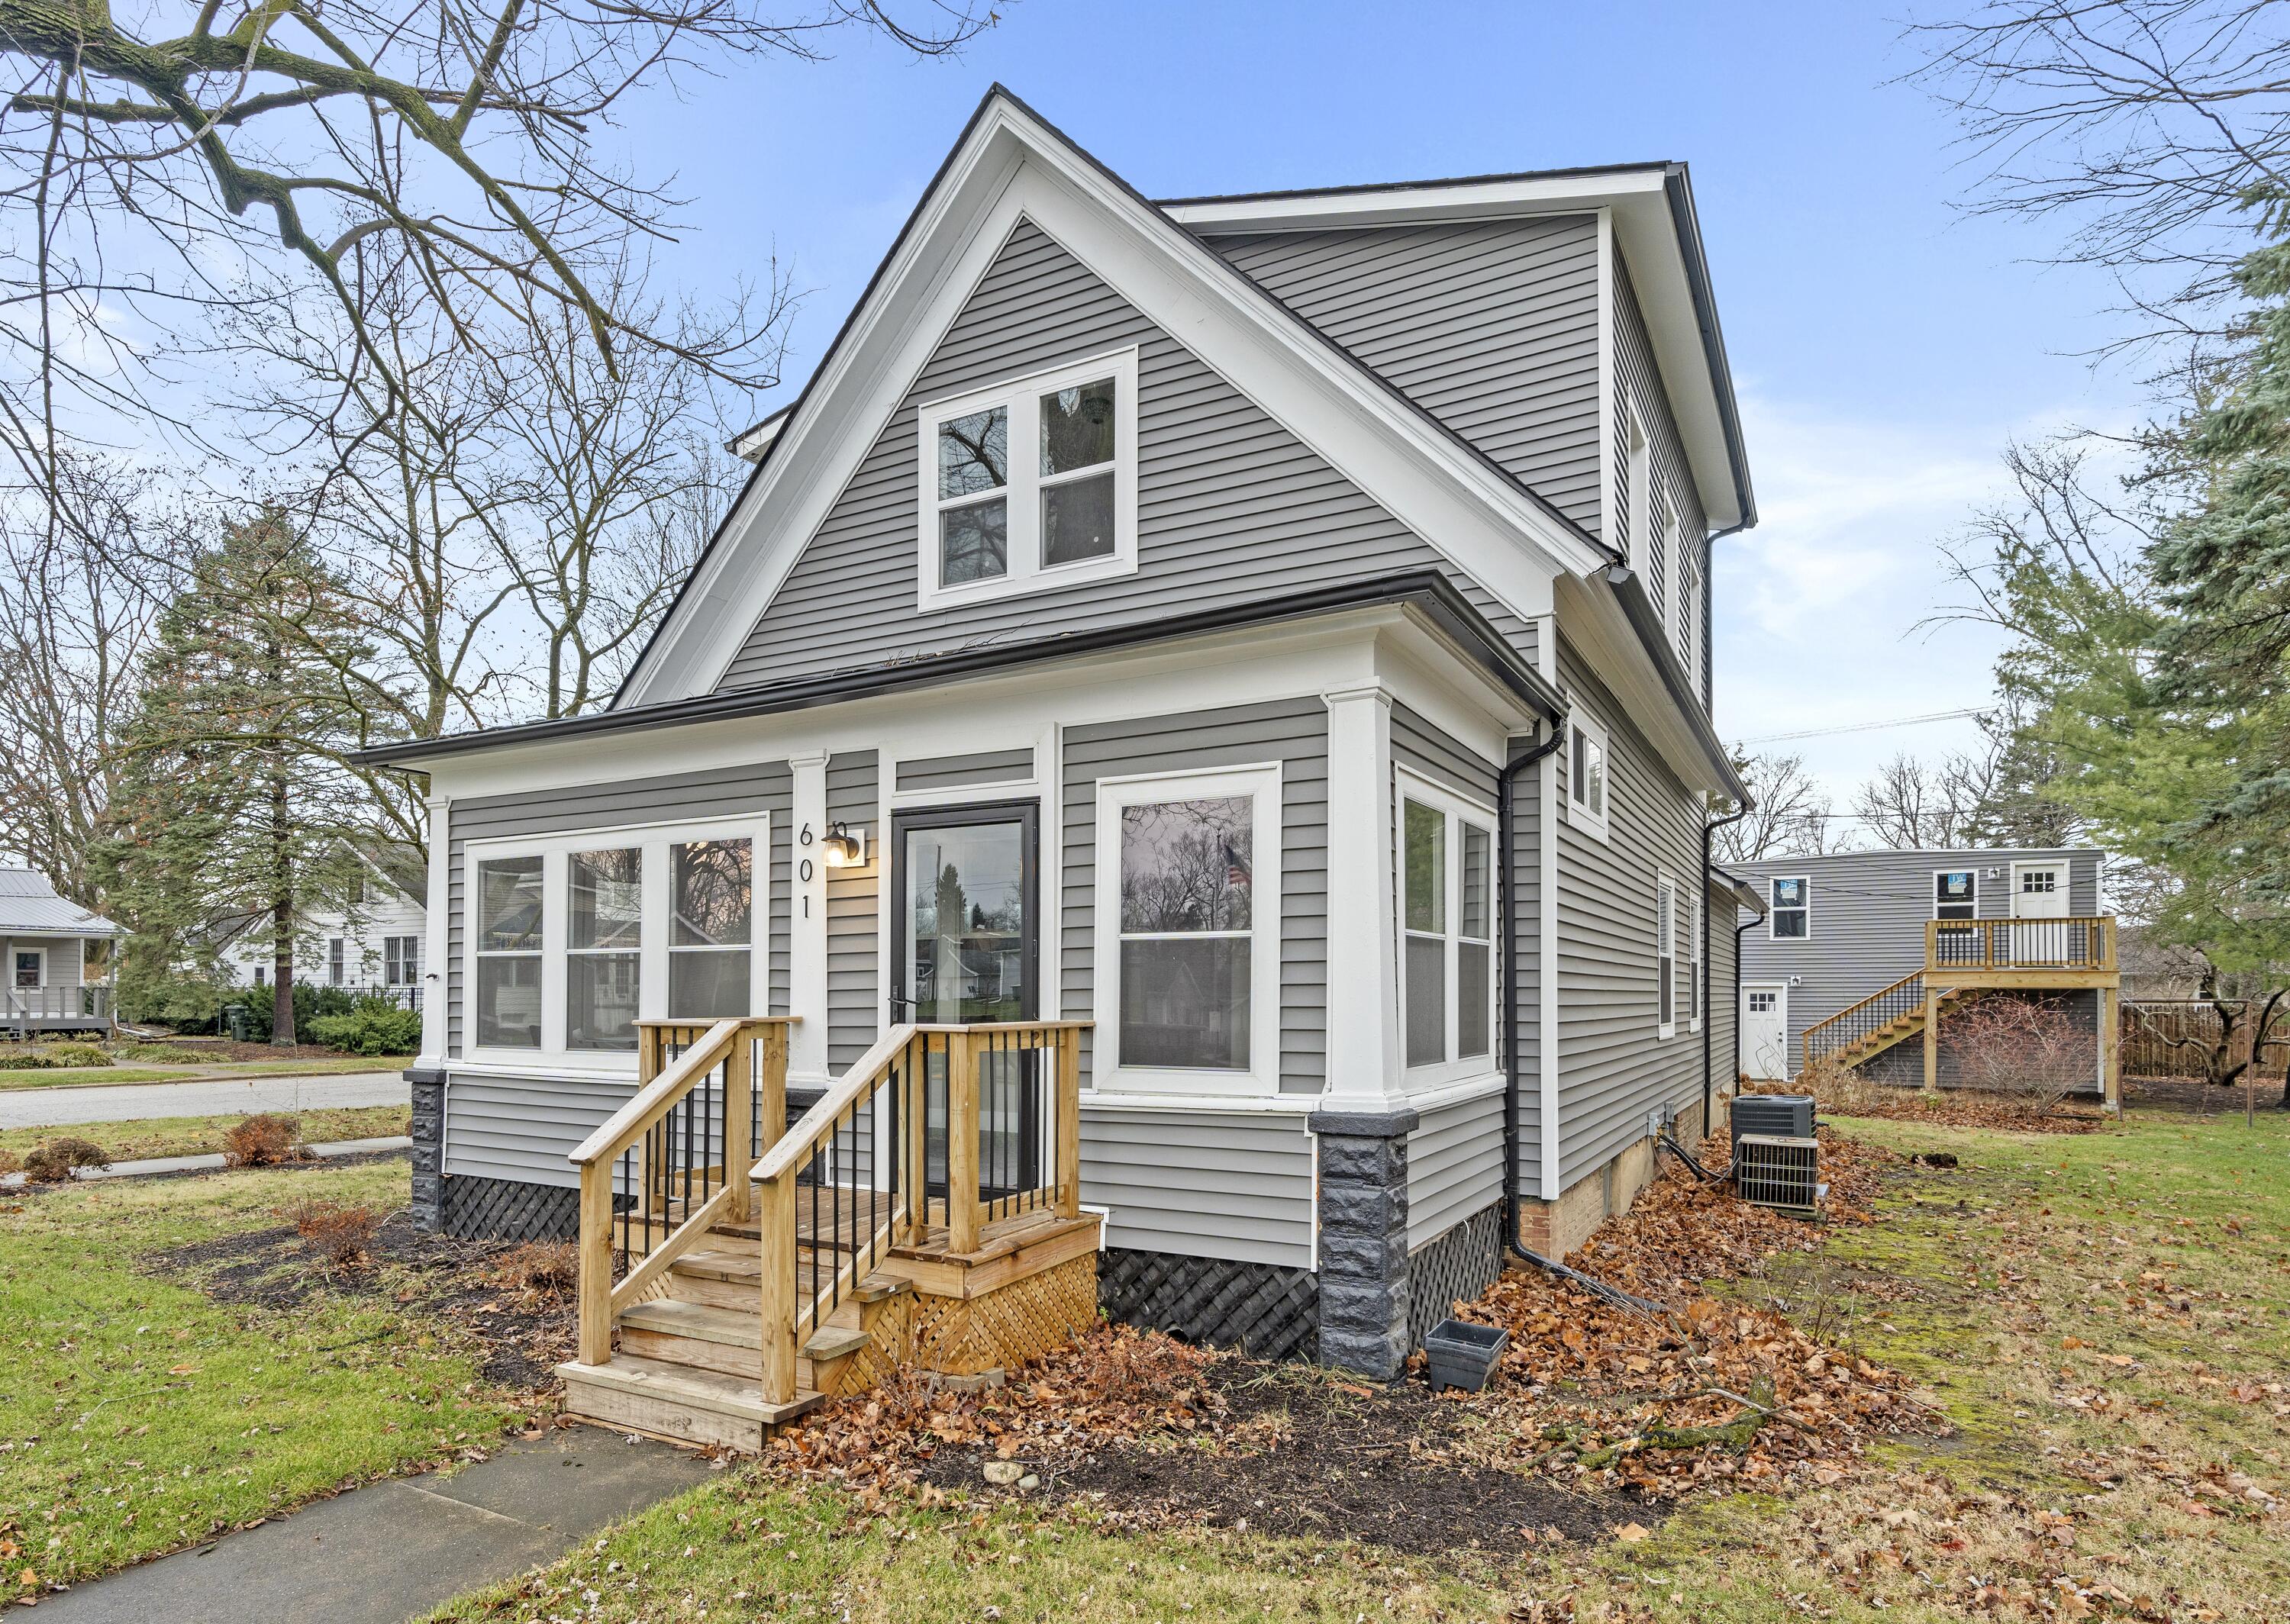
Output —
<point x="924" y="1210"/>
<point x="1966" y="959"/>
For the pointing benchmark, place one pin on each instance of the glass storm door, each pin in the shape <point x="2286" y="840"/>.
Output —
<point x="967" y="942"/>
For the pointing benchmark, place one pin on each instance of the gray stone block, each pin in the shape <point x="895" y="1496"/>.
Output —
<point x="1359" y="1210"/>
<point x="1354" y="1257"/>
<point x="1364" y="1161"/>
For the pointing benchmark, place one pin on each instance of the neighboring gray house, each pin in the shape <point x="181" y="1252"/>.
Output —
<point x="1169" y="616"/>
<point x="58" y="958"/>
<point x="1852" y="942"/>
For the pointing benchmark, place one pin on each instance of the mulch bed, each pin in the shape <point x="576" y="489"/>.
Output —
<point x="2196" y="1097"/>
<point x="520" y="1336"/>
<point x="1957" y="1108"/>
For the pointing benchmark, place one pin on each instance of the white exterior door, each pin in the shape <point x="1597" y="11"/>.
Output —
<point x="1765" y="1033"/>
<point x="2039" y="890"/>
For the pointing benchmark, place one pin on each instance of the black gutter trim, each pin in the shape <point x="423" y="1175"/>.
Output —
<point x="1709" y="828"/>
<point x="1645" y="621"/>
<point x="1427" y="591"/>
<point x="1507" y="907"/>
<point x="1687" y="223"/>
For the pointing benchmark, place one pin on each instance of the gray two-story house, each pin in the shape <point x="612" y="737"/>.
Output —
<point x="1857" y="948"/>
<point x="1246" y="656"/>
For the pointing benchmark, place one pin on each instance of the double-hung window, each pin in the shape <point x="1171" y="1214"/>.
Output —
<point x="1791" y="917"/>
<point x="1956" y="893"/>
<point x="337" y="963"/>
<point x="603" y="956"/>
<point x="1694" y="960"/>
<point x="1665" y="956"/>
<point x="1447" y="917"/>
<point x="1187" y="931"/>
<point x="1030" y="485"/>
<point x="510" y="916"/>
<point x="1586" y="785"/>
<point x="577" y="938"/>
<point x="401" y="960"/>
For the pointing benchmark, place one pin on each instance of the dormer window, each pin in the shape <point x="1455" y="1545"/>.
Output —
<point x="1030" y="485"/>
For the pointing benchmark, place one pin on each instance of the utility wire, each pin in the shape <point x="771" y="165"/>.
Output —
<point x="1864" y="727"/>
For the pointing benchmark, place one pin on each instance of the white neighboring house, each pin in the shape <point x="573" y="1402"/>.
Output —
<point x="375" y="947"/>
<point x="58" y="959"/>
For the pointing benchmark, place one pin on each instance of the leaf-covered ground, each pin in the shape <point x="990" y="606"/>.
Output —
<point x="2098" y="1323"/>
<point x="138" y="1413"/>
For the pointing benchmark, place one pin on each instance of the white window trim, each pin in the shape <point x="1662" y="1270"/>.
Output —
<point x="1697" y="963"/>
<point x="556" y="852"/>
<point x="1774" y="913"/>
<point x="1262" y="1077"/>
<point x="1025" y="572"/>
<point x="1415" y="787"/>
<point x="1640" y="516"/>
<point x="1975" y="873"/>
<point x="1665" y="947"/>
<point x="1600" y="823"/>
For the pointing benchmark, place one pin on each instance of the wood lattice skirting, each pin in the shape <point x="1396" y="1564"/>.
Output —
<point x="1022" y="1320"/>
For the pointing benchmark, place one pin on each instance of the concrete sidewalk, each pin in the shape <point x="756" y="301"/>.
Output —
<point x="55" y="1107"/>
<point x="397" y="1549"/>
<point x="211" y="1163"/>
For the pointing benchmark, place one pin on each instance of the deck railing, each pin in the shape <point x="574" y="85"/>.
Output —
<point x="2078" y="943"/>
<point x="653" y="1178"/>
<point x="78" y="1002"/>
<point x="1858" y="1022"/>
<point x="934" y="1127"/>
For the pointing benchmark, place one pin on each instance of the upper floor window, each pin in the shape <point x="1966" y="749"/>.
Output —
<point x="1791" y="918"/>
<point x="1955" y="894"/>
<point x="1030" y="485"/>
<point x="1587" y="787"/>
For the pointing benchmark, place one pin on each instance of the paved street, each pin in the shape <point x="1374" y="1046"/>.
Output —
<point x="47" y="1107"/>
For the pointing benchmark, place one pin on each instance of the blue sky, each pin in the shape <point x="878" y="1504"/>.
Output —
<point x="1885" y="346"/>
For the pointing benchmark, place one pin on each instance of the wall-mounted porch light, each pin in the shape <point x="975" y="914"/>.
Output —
<point x="842" y="848"/>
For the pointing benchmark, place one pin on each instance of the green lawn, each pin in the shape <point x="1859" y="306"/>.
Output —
<point x="2104" y="1318"/>
<point x="160" y="1136"/>
<point x="77" y="1076"/>
<point x="137" y="1414"/>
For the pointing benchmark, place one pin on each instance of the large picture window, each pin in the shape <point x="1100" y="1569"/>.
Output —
<point x="1188" y="889"/>
<point x="1446" y="883"/>
<point x="576" y="938"/>
<point x="1030" y="485"/>
<point x="508" y="946"/>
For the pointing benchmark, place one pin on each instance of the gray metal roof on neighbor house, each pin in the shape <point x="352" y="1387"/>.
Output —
<point x="30" y="907"/>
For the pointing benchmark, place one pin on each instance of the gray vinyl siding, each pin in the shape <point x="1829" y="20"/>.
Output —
<point x="1425" y="748"/>
<point x="725" y="792"/>
<point x="1722" y="1010"/>
<point x="1526" y="978"/>
<point x="1201" y="1184"/>
<point x="1231" y="507"/>
<point x="1613" y="1067"/>
<point x="978" y="767"/>
<point x="1492" y="326"/>
<point x="1868" y="920"/>
<point x="523" y="1128"/>
<point x="853" y="988"/>
<point x="1454" y="1166"/>
<point x="61" y="966"/>
<point x="1293" y="733"/>
<point x="1638" y="383"/>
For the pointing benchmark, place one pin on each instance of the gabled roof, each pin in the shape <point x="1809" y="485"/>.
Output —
<point x="1011" y="161"/>
<point x="1655" y="221"/>
<point x="30" y="905"/>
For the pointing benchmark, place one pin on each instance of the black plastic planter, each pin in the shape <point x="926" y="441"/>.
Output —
<point x="1464" y="1355"/>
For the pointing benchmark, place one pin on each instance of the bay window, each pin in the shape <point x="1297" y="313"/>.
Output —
<point x="1446" y="905"/>
<point x="1188" y="889"/>
<point x="576" y="938"/>
<point x="1029" y="485"/>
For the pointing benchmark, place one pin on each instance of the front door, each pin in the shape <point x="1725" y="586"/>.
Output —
<point x="965" y="950"/>
<point x="1765" y="1033"/>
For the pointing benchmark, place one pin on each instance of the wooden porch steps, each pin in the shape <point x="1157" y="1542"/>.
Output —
<point x="1900" y="1029"/>
<point x="677" y="1402"/>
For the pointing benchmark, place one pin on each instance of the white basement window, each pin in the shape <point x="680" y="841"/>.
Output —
<point x="1446" y="916"/>
<point x="1187" y="933"/>
<point x="1029" y="485"/>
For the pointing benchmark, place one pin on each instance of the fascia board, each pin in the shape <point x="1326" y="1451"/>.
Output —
<point x="1644" y="222"/>
<point x="1594" y="621"/>
<point x="1010" y="165"/>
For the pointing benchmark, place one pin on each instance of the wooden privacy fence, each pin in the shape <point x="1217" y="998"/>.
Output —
<point x="2150" y="1025"/>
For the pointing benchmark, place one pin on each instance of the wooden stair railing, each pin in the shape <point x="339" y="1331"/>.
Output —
<point x="653" y="1178"/>
<point x="2078" y="942"/>
<point x="969" y="1124"/>
<point x="1855" y="1023"/>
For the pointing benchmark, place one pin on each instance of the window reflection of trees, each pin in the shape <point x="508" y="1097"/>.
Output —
<point x="1187" y="865"/>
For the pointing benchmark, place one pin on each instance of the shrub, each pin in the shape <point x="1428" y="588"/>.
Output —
<point x="24" y="1060"/>
<point x="76" y="1054"/>
<point x="374" y="1027"/>
<point x="2029" y="1049"/>
<point x="56" y="1160"/>
<point x="336" y="1233"/>
<point x="10" y="1163"/>
<point x="544" y="1270"/>
<point x="260" y="1141"/>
